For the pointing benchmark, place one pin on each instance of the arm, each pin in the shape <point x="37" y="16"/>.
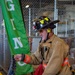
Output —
<point x="34" y="58"/>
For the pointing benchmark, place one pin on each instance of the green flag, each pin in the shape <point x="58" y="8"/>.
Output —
<point x="16" y="33"/>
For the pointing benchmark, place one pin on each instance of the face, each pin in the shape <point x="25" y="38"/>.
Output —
<point x="43" y="34"/>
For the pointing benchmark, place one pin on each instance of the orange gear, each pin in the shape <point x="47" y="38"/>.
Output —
<point x="27" y="59"/>
<point x="66" y="62"/>
<point x="44" y="65"/>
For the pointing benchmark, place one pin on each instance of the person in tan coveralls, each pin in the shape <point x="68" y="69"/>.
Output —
<point x="51" y="52"/>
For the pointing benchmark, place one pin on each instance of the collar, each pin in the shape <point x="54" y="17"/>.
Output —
<point x="51" y="38"/>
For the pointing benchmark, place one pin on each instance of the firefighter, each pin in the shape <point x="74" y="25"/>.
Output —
<point x="52" y="51"/>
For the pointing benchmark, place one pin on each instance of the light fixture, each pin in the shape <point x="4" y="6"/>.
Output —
<point x="27" y="6"/>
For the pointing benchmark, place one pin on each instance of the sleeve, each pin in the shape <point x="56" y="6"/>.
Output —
<point x="36" y="57"/>
<point x="55" y="61"/>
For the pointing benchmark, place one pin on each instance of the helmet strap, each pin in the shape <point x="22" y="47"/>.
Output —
<point x="47" y="37"/>
<point x="48" y="31"/>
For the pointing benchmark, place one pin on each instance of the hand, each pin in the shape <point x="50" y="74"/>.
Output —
<point x="18" y="57"/>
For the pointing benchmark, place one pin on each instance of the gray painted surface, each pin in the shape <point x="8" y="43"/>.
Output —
<point x="35" y="43"/>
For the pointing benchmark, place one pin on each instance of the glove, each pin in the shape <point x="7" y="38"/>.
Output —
<point x="22" y="57"/>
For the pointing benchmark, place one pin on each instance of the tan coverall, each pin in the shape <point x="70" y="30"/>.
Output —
<point x="55" y="51"/>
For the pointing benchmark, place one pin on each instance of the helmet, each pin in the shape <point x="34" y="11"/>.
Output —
<point x="44" y="22"/>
